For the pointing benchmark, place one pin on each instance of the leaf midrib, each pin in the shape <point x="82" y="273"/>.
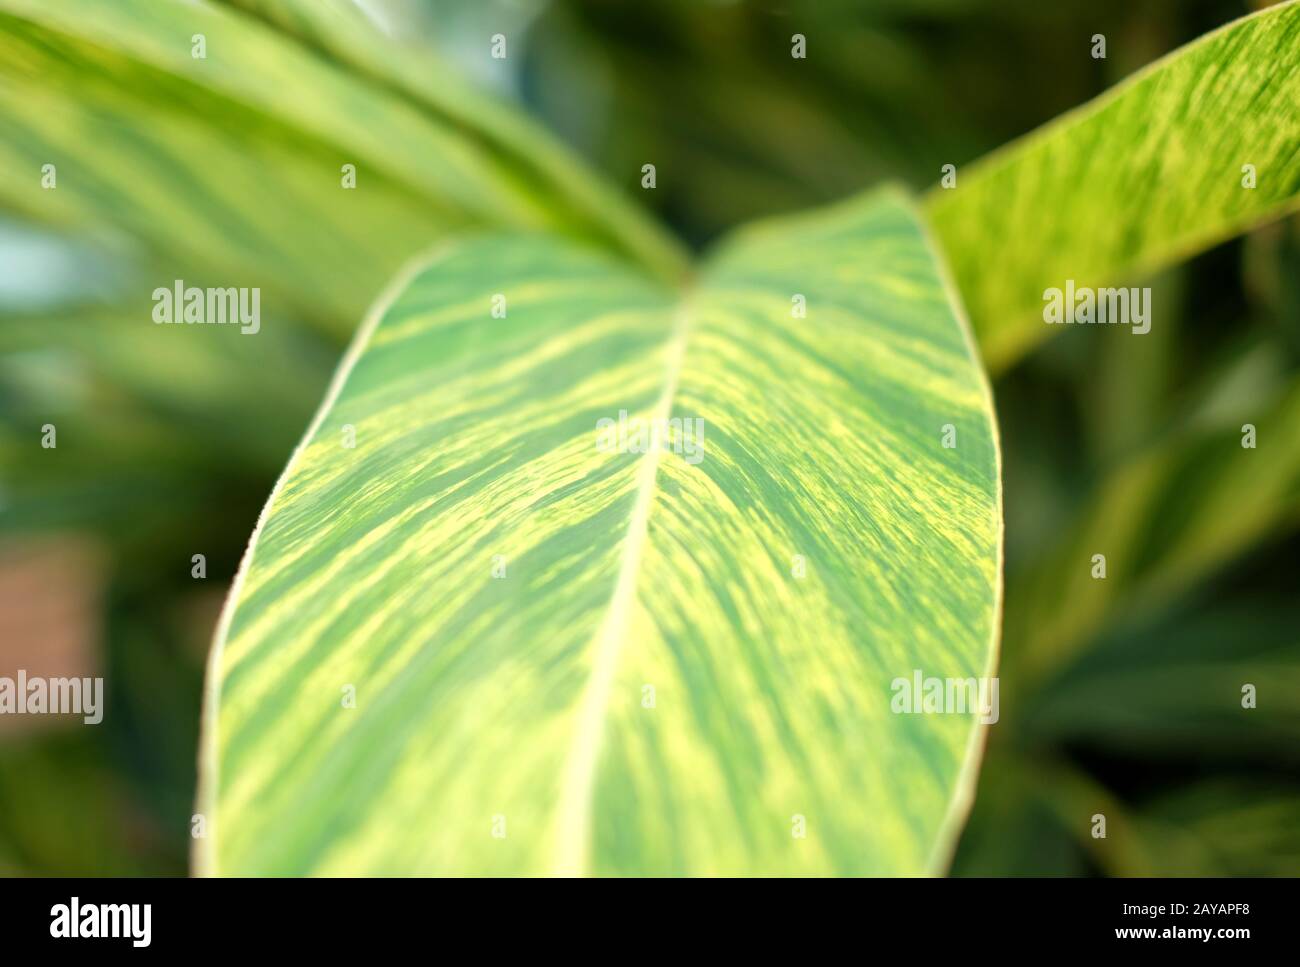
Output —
<point x="578" y="773"/>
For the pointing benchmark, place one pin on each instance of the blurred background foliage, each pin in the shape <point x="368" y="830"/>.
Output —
<point x="1119" y="696"/>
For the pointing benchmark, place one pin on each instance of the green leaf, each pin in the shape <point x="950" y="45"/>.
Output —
<point x="230" y="164"/>
<point x="342" y="30"/>
<point x="1242" y="825"/>
<point x="1174" y="687"/>
<point x="1168" y="518"/>
<point x="1142" y="177"/>
<point x="142" y="414"/>
<point x="519" y="704"/>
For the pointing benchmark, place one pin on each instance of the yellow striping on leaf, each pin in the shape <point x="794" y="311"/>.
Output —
<point x="573" y="654"/>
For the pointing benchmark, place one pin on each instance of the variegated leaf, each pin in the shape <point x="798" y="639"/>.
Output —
<point x="495" y="635"/>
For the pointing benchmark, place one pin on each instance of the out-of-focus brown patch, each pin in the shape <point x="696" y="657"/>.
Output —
<point x="51" y="591"/>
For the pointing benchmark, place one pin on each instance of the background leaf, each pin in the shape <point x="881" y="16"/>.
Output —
<point x="1138" y="179"/>
<point x="209" y="160"/>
